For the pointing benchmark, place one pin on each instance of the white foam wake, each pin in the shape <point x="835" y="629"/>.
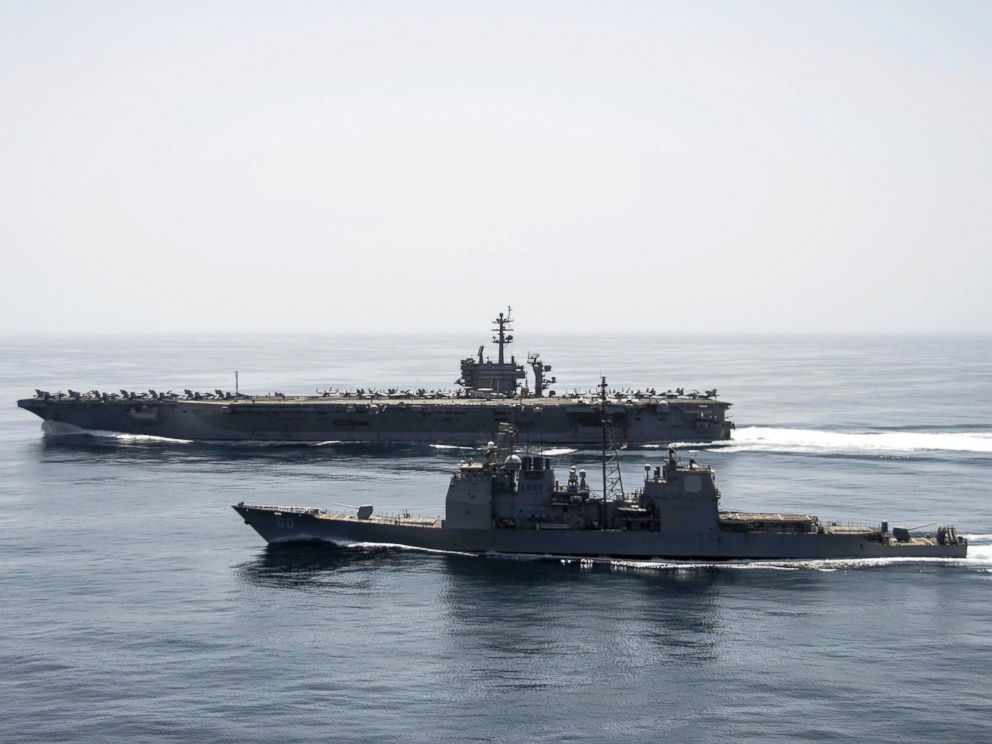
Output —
<point x="979" y="551"/>
<point x="269" y="442"/>
<point x="979" y="557"/>
<point x="773" y="439"/>
<point x="825" y="564"/>
<point x="557" y="451"/>
<point x="62" y="429"/>
<point x="363" y="545"/>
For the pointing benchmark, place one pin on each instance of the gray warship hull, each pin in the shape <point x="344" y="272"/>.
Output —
<point x="291" y="524"/>
<point x="507" y="503"/>
<point x="465" y="421"/>
<point x="490" y="395"/>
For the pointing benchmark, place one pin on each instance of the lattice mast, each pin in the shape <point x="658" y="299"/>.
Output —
<point x="612" y="479"/>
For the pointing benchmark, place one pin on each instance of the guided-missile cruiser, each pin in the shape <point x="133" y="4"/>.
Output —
<point x="507" y="504"/>
<point x="489" y="393"/>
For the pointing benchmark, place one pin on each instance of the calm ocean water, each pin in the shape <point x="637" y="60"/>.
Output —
<point x="138" y="607"/>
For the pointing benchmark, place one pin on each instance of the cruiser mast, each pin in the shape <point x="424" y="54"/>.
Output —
<point x="612" y="480"/>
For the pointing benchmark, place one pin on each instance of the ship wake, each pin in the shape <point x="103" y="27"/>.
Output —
<point x="815" y="441"/>
<point x="58" y="429"/>
<point x="979" y="558"/>
<point x="365" y="545"/>
<point x="62" y="429"/>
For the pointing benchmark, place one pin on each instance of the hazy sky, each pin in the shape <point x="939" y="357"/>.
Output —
<point x="692" y="166"/>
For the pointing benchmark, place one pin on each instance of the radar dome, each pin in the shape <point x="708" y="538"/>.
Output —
<point x="512" y="463"/>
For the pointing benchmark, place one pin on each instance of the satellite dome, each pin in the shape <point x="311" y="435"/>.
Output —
<point x="512" y="463"/>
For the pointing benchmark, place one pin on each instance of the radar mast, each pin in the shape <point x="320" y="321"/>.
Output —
<point x="612" y="480"/>
<point x="503" y="337"/>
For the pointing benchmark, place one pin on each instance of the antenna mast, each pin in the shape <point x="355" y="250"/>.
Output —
<point x="612" y="480"/>
<point x="501" y="330"/>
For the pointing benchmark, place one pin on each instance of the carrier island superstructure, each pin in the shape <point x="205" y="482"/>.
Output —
<point x="489" y="392"/>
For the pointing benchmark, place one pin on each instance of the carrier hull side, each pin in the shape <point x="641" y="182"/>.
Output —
<point x="444" y="422"/>
<point x="285" y="526"/>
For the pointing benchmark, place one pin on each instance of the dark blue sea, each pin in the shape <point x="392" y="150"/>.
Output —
<point x="137" y="607"/>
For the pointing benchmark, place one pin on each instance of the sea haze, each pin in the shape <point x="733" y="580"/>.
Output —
<point x="138" y="607"/>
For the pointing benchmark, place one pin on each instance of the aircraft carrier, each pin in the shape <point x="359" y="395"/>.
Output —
<point x="489" y="393"/>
